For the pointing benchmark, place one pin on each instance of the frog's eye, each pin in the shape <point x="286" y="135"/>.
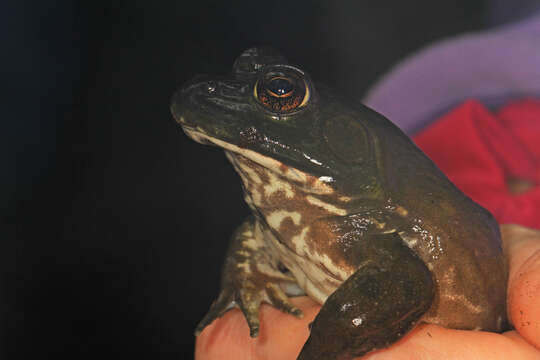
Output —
<point x="282" y="89"/>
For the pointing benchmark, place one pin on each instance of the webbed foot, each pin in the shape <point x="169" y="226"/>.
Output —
<point x="249" y="277"/>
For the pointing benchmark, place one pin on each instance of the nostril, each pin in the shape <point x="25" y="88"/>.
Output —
<point x="211" y="86"/>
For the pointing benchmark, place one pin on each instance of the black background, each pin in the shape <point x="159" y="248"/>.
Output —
<point x="115" y="222"/>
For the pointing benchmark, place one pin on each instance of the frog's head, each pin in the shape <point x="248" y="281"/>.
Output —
<point x="270" y="112"/>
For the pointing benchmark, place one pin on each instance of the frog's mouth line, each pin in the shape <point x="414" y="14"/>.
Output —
<point x="318" y="185"/>
<point x="203" y="138"/>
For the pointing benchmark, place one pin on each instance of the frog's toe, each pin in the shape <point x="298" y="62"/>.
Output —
<point x="251" y="297"/>
<point x="249" y="302"/>
<point x="220" y="306"/>
<point x="248" y="299"/>
<point x="280" y="300"/>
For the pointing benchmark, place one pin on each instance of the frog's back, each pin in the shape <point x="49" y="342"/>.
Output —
<point x="459" y="240"/>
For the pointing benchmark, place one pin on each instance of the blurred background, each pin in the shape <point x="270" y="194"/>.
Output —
<point x="114" y="224"/>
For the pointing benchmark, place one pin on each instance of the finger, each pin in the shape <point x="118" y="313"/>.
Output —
<point x="522" y="248"/>
<point x="282" y="337"/>
<point x="432" y="342"/>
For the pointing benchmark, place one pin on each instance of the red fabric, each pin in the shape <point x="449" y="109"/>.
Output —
<point x="481" y="151"/>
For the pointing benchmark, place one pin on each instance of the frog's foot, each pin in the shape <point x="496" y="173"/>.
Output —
<point x="373" y="308"/>
<point x="249" y="300"/>
<point x="250" y="277"/>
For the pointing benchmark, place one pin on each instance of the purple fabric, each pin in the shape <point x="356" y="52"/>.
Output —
<point x="493" y="66"/>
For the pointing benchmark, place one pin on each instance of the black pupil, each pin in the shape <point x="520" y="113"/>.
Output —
<point x="280" y="86"/>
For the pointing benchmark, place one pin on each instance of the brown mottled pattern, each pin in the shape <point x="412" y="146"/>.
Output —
<point x="329" y="262"/>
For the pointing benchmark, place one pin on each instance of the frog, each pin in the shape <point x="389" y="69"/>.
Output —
<point x="344" y="209"/>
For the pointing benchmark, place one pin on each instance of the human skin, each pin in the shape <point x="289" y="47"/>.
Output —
<point x="281" y="335"/>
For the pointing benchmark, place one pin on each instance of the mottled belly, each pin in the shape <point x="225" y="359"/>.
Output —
<point x="316" y="281"/>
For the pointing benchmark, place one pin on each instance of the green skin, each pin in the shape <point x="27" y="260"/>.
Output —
<point x="345" y="209"/>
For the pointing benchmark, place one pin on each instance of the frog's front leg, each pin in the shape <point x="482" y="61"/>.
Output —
<point x="386" y="296"/>
<point x="250" y="276"/>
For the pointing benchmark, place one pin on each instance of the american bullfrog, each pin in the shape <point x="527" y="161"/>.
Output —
<point x="345" y="208"/>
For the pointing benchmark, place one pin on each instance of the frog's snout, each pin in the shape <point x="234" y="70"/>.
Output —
<point x="188" y="96"/>
<point x="176" y="107"/>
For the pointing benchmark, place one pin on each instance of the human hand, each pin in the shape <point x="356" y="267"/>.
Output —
<point x="281" y="335"/>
